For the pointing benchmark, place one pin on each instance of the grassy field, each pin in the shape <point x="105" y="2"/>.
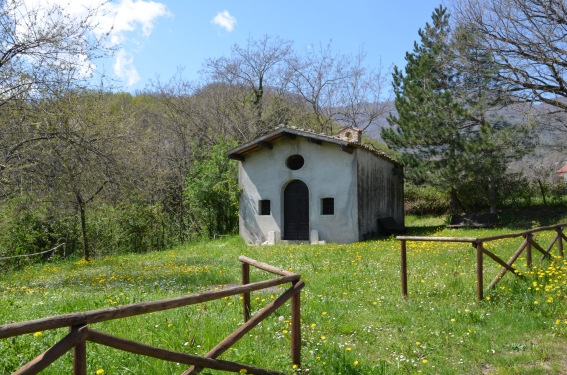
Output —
<point x="354" y="320"/>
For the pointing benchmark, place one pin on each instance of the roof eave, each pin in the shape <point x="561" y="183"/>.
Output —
<point x="238" y="152"/>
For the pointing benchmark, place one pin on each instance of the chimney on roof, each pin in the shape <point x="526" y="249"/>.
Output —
<point x="350" y="134"/>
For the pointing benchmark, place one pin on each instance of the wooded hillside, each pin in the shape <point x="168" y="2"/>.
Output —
<point x="104" y="171"/>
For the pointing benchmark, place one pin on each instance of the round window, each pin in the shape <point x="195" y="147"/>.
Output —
<point x="295" y="162"/>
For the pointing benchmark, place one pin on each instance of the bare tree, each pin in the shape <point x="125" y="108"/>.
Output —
<point x="528" y="39"/>
<point x="42" y="45"/>
<point x="362" y="99"/>
<point x="252" y="69"/>
<point x="338" y="88"/>
<point x="43" y="52"/>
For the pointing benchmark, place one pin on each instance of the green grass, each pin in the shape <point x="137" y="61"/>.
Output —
<point x="354" y="320"/>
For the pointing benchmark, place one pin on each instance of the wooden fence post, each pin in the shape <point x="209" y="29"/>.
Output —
<point x="404" y="268"/>
<point x="296" y="329"/>
<point x="79" y="356"/>
<point x="479" y="272"/>
<point x="560" y="243"/>
<point x="246" y="295"/>
<point x="529" y="237"/>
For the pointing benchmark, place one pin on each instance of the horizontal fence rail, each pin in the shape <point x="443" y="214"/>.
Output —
<point x="80" y="332"/>
<point x="478" y="243"/>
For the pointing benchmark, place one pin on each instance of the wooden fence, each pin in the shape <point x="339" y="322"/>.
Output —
<point x="478" y="243"/>
<point x="80" y="332"/>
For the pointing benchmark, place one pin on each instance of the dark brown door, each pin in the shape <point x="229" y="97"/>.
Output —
<point x="296" y="211"/>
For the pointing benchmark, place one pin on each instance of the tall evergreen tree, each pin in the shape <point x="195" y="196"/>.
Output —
<point x="430" y="129"/>
<point x="447" y="128"/>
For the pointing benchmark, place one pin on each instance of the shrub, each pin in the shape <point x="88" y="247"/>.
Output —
<point x="425" y="200"/>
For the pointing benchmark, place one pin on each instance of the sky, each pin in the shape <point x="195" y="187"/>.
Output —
<point x="155" y="39"/>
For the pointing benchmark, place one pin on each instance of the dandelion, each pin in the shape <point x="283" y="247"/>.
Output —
<point x="284" y="331"/>
<point x="355" y="362"/>
<point x="453" y="320"/>
<point x="243" y="371"/>
<point x="313" y="325"/>
<point x="348" y="349"/>
<point x="169" y="325"/>
<point x="324" y="313"/>
<point x="323" y="337"/>
<point x="425" y="361"/>
<point x="99" y="371"/>
<point x="38" y="334"/>
<point x="487" y="298"/>
<point x="536" y="302"/>
<point x="294" y="366"/>
<point x="417" y="343"/>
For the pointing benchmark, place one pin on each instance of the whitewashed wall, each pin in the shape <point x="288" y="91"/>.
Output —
<point x="328" y="172"/>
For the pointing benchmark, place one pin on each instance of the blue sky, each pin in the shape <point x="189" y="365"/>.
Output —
<point x="158" y="37"/>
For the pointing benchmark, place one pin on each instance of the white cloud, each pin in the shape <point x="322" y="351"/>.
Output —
<point x="121" y="18"/>
<point x="124" y="67"/>
<point x="225" y="20"/>
<point x="128" y="15"/>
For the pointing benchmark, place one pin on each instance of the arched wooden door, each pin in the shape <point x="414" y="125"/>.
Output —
<point x="296" y="211"/>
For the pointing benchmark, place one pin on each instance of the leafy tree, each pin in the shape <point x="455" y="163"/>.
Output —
<point x="431" y="129"/>
<point x="212" y="191"/>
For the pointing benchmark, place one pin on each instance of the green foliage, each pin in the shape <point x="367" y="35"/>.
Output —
<point x="212" y="191"/>
<point x="425" y="200"/>
<point x="131" y="228"/>
<point x="28" y="228"/>
<point x="513" y="192"/>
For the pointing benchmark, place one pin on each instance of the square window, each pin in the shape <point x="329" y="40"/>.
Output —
<point x="264" y="208"/>
<point x="328" y="206"/>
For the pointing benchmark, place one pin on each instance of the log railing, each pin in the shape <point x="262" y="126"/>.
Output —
<point x="478" y="243"/>
<point x="80" y="332"/>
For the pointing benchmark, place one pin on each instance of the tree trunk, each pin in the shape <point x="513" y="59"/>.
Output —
<point x="454" y="202"/>
<point x="542" y="190"/>
<point x="492" y="196"/>
<point x="84" y="227"/>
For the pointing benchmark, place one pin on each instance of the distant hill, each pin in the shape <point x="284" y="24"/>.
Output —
<point x="549" y="130"/>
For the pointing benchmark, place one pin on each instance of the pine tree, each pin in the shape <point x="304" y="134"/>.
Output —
<point x="431" y="129"/>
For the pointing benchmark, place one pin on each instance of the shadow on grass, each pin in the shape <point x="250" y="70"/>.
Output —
<point x="530" y="217"/>
<point x="424" y="230"/>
